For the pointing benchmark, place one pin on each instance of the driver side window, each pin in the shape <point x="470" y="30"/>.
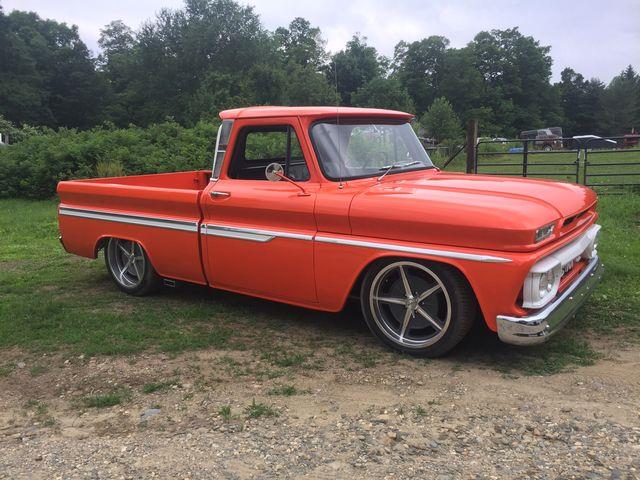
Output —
<point x="257" y="147"/>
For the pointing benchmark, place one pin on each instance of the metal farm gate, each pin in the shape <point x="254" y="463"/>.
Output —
<point x="609" y="164"/>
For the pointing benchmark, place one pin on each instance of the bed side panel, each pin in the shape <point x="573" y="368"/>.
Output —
<point x="164" y="221"/>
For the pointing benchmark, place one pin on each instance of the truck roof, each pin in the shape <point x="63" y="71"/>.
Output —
<point x="316" y="112"/>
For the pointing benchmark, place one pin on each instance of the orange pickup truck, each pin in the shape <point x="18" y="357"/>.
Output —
<point x="309" y="205"/>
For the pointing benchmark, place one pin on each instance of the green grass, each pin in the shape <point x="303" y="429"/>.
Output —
<point x="280" y="358"/>
<point x="106" y="400"/>
<point x="225" y="412"/>
<point x="257" y="410"/>
<point x="160" y="386"/>
<point x="284" y="390"/>
<point x="421" y="411"/>
<point x="52" y="301"/>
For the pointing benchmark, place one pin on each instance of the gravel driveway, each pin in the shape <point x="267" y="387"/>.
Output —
<point x="213" y="414"/>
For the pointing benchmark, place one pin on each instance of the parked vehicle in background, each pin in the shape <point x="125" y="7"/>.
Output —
<point x="4" y="140"/>
<point x="631" y="139"/>
<point x="556" y="131"/>
<point x="544" y="139"/>
<point x="310" y="205"/>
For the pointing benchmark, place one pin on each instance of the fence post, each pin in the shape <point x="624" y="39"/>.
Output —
<point x="525" y="158"/>
<point x="472" y="141"/>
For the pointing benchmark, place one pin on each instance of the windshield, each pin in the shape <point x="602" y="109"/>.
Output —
<point x="358" y="150"/>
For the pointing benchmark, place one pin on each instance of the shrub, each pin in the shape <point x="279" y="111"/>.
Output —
<point x="109" y="168"/>
<point x="33" y="167"/>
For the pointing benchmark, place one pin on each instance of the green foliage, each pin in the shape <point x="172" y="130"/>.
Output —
<point x="284" y="390"/>
<point x="225" y="412"/>
<point x="189" y="63"/>
<point x="356" y="65"/>
<point x="17" y="134"/>
<point x="418" y="66"/>
<point x="162" y="386"/>
<point x="257" y="410"/>
<point x="383" y="93"/>
<point x="107" y="400"/>
<point x="33" y="167"/>
<point x="441" y="121"/>
<point x="109" y="168"/>
<point x="47" y="75"/>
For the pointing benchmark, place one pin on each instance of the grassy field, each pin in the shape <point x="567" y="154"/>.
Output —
<point x="52" y="302"/>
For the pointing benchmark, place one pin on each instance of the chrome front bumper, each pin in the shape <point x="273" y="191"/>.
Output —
<point x="540" y="326"/>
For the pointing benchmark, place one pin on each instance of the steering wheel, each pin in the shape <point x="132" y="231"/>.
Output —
<point x="273" y="172"/>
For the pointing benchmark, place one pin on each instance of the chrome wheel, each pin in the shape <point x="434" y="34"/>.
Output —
<point x="126" y="261"/>
<point x="410" y="304"/>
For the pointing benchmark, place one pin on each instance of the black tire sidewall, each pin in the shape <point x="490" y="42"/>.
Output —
<point x="463" y="307"/>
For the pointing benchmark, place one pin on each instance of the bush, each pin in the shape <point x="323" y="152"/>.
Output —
<point x="33" y="167"/>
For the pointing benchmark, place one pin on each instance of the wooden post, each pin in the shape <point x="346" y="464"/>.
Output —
<point x="472" y="140"/>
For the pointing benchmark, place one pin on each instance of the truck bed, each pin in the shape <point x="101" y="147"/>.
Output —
<point x="161" y="211"/>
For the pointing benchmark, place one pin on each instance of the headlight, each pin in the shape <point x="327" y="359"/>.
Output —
<point x="541" y="284"/>
<point x="545" y="284"/>
<point x="544" y="232"/>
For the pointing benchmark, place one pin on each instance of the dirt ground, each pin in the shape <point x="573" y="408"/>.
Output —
<point x="232" y="414"/>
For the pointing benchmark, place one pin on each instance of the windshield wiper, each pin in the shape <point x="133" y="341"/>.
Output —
<point x="388" y="168"/>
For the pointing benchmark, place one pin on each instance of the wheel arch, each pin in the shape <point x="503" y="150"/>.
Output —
<point x="357" y="283"/>
<point x="101" y="242"/>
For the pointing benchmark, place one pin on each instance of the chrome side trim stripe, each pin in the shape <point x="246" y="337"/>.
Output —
<point x="253" y="234"/>
<point x="184" y="225"/>
<point x="259" y="235"/>
<point x="406" y="249"/>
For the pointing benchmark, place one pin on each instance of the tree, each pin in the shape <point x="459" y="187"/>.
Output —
<point x="309" y="87"/>
<point x="179" y="49"/>
<point x="461" y="83"/>
<point x="581" y="102"/>
<point x="265" y="85"/>
<point x="441" y="122"/>
<point x="301" y="44"/>
<point x="116" y="64"/>
<point x="621" y="102"/>
<point x="47" y="75"/>
<point x="384" y="93"/>
<point x="516" y="70"/>
<point x="418" y="67"/>
<point x="356" y="65"/>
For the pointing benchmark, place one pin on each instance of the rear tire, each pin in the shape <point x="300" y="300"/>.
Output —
<point x="130" y="268"/>
<point x="419" y="308"/>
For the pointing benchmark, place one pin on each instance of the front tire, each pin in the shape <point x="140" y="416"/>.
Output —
<point x="130" y="268"/>
<point x="422" y="309"/>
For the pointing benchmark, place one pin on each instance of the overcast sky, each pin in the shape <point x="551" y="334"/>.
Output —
<point x="595" y="38"/>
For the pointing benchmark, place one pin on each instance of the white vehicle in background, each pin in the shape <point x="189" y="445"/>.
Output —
<point x="4" y="140"/>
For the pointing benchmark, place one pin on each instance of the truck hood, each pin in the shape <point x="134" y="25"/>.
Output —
<point x="477" y="211"/>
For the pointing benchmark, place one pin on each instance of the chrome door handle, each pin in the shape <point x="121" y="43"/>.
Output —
<point x="215" y="194"/>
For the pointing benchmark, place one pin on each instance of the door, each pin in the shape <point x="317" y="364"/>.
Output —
<point x="258" y="233"/>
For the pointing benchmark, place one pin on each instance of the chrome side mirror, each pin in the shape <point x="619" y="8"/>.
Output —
<point x="274" y="172"/>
